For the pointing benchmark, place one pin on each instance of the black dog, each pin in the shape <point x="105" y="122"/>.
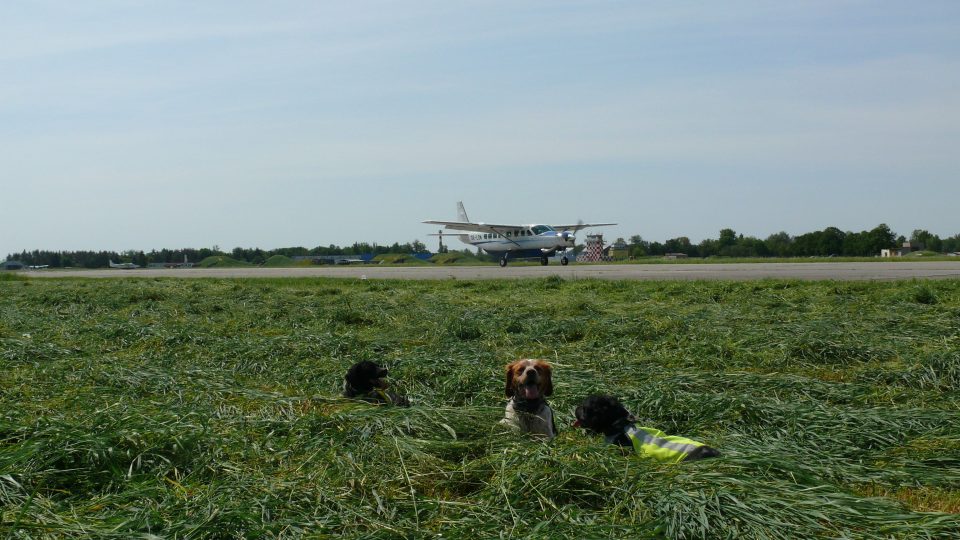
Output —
<point x="605" y="415"/>
<point x="367" y="381"/>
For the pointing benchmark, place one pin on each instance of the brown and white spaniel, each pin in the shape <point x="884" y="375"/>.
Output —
<point x="529" y="382"/>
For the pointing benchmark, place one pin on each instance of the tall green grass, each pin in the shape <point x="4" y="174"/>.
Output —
<point x="210" y="408"/>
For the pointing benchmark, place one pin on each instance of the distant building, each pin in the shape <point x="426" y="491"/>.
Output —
<point x="905" y="249"/>
<point x="365" y="258"/>
<point x="12" y="265"/>
<point x="184" y="264"/>
<point x="675" y="256"/>
<point x="618" y="250"/>
<point x="593" y="250"/>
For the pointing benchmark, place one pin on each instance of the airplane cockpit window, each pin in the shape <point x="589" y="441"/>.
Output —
<point x="540" y="229"/>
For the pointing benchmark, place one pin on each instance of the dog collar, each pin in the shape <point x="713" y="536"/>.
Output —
<point x="528" y="405"/>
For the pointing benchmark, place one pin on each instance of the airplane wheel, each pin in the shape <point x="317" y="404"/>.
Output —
<point x="544" y="261"/>
<point x="503" y="262"/>
<point x="564" y="261"/>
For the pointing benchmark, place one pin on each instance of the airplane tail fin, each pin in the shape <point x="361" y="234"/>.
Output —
<point x="461" y="213"/>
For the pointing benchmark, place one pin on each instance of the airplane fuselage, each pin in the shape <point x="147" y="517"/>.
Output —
<point x="525" y="241"/>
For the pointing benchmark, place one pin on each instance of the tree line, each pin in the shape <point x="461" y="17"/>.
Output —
<point x="828" y="242"/>
<point x="101" y="259"/>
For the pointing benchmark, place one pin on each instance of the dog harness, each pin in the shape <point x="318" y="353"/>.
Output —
<point x="651" y="442"/>
<point x="533" y="416"/>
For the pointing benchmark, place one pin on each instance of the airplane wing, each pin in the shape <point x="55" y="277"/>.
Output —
<point x="476" y="227"/>
<point x="579" y="226"/>
<point x="493" y="228"/>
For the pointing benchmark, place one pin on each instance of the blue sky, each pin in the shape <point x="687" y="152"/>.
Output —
<point x="152" y="124"/>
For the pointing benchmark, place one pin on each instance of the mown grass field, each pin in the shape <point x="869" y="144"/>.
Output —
<point x="210" y="408"/>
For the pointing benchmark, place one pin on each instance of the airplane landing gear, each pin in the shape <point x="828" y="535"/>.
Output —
<point x="503" y="261"/>
<point x="544" y="261"/>
<point x="564" y="261"/>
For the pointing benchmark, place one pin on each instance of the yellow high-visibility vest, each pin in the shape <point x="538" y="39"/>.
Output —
<point x="652" y="442"/>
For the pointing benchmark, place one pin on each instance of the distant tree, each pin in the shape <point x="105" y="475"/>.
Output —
<point x="680" y="244"/>
<point x="752" y="247"/>
<point x="708" y="247"/>
<point x="638" y="246"/>
<point x="951" y="244"/>
<point x="727" y="237"/>
<point x="880" y="237"/>
<point x="925" y="240"/>
<point x="856" y="244"/>
<point x="779" y="244"/>
<point x="831" y="242"/>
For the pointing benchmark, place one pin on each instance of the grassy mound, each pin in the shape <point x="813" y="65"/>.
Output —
<point x="279" y="261"/>
<point x="211" y="408"/>
<point x="221" y="261"/>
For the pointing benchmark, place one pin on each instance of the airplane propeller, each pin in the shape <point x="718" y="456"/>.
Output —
<point x="568" y="235"/>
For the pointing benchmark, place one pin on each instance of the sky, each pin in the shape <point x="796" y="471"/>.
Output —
<point x="139" y="125"/>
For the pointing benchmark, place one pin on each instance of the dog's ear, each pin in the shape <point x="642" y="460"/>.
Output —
<point x="510" y="385"/>
<point x="547" y="378"/>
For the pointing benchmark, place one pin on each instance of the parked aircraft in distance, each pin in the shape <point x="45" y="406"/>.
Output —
<point x="516" y="241"/>
<point x="185" y="264"/>
<point x="124" y="266"/>
<point x="38" y="266"/>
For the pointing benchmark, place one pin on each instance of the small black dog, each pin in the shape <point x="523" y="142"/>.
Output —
<point x="367" y="381"/>
<point x="605" y="415"/>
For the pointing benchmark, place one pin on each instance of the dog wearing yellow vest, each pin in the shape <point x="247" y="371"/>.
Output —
<point x="605" y="415"/>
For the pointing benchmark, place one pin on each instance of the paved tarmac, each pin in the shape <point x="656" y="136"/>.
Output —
<point x="845" y="271"/>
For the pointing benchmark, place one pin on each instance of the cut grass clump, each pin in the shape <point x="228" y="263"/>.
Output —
<point x="465" y="328"/>
<point x="924" y="295"/>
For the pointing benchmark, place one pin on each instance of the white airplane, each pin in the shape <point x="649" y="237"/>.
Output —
<point x="517" y="241"/>
<point x="124" y="266"/>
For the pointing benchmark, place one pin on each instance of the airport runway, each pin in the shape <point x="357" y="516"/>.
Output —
<point x="744" y="271"/>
